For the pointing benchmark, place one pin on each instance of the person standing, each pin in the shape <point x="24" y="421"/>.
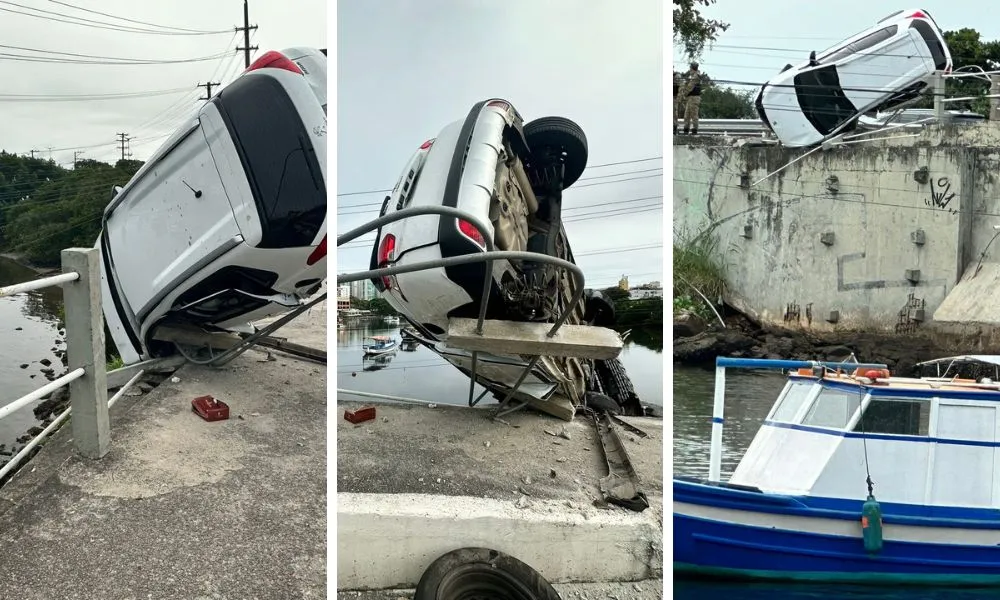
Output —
<point x="678" y="99"/>
<point x="692" y="102"/>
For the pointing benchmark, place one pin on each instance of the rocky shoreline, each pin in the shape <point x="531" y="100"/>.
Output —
<point x="698" y="344"/>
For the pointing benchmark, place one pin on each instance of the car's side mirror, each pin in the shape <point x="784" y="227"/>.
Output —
<point x="812" y="59"/>
<point x="115" y="190"/>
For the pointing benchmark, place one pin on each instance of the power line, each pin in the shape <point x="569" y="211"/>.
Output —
<point x="88" y="97"/>
<point x="111" y="61"/>
<point x="611" y="164"/>
<point x="96" y="12"/>
<point x="110" y="27"/>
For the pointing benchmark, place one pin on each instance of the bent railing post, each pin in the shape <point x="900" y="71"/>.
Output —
<point x="85" y="349"/>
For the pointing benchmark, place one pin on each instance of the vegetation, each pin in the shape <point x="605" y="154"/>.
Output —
<point x="646" y="313"/>
<point x="692" y="31"/>
<point x="723" y="102"/>
<point x="968" y="52"/>
<point x="45" y="208"/>
<point x="376" y="305"/>
<point x="697" y="268"/>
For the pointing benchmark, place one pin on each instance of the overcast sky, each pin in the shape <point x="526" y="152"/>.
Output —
<point x="32" y="124"/>
<point x="407" y="69"/>
<point x="766" y="35"/>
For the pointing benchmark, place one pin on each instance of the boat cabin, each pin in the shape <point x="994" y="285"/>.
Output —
<point x="929" y="441"/>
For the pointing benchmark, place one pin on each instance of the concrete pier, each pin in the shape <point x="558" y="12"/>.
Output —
<point x="419" y="481"/>
<point x="181" y="507"/>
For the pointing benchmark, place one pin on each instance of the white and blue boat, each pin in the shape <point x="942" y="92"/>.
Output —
<point x="801" y="504"/>
<point x="381" y="344"/>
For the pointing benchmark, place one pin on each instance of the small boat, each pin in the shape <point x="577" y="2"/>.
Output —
<point x="393" y="320"/>
<point x="382" y="344"/>
<point x="854" y="476"/>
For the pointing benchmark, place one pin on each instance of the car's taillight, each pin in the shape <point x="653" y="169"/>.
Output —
<point x="318" y="253"/>
<point x="499" y="104"/>
<point x="919" y="15"/>
<point x="274" y="60"/>
<point x="470" y="231"/>
<point x="427" y="144"/>
<point x="385" y="251"/>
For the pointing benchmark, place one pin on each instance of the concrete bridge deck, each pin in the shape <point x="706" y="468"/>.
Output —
<point x="417" y="482"/>
<point x="180" y="507"/>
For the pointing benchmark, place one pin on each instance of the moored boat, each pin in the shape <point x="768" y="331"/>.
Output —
<point x="854" y="476"/>
<point x="381" y="344"/>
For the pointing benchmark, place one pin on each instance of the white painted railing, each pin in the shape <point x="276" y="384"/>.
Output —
<point x="85" y="357"/>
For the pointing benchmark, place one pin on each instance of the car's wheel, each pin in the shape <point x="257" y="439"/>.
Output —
<point x="617" y="384"/>
<point x="474" y="573"/>
<point x="560" y="140"/>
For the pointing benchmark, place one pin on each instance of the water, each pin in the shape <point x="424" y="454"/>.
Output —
<point x="37" y="316"/>
<point x="423" y="375"/>
<point x="749" y="396"/>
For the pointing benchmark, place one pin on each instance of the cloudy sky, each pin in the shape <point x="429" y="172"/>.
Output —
<point x="761" y="40"/>
<point x="407" y="69"/>
<point x="36" y="98"/>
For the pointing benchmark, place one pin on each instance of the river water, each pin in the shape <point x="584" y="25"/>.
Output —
<point x="749" y="396"/>
<point x="28" y="334"/>
<point x="423" y="375"/>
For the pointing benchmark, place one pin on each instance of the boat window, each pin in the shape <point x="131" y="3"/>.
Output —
<point x="833" y="408"/>
<point x="793" y="400"/>
<point x="899" y="416"/>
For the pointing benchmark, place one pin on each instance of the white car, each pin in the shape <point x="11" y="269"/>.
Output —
<point x="226" y="223"/>
<point x="883" y="68"/>
<point x="510" y="176"/>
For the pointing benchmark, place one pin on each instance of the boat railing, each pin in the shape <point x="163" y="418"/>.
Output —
<point x="491" y="254"/>
<point x="86" y="373"/>
<point x="719" y="398"/>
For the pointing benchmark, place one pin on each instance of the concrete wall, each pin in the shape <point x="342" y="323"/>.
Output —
<point x="836" y="230"/>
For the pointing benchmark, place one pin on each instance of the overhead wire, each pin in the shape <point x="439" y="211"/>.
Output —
<point x="103" y="14"/>
<point x="83" y="22"/>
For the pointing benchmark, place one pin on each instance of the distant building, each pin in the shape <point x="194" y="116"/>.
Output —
<point x="646" y="290"/>
<point x="623" y="283"/>
<point x="343" y="296"/>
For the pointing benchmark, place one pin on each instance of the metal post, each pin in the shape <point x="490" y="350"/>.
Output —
<point x="938" y="86"/>
<point x="995" y="100"/>
<point x="85" y="349"/>
<point x="715" y="452"/>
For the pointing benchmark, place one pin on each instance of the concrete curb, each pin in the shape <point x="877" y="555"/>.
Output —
<point x="387" y="540"/>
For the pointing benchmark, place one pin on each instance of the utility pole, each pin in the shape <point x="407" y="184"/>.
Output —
<point x="33" y="153"/>
<point x="123" y="139"/>
<point x="246" y="48"/>
<point x="208" y="90"/>
<point x="995" y="97"/>
<point x="76" y="155"/>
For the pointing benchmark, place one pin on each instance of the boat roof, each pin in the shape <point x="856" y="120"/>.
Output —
<point x="990" y="359"/>
<point x="379" y="338"/>
<point x="911" y="387"/>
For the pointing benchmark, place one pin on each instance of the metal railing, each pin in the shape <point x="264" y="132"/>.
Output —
<point x="86" y="374"/>
<point x="488" y="256"/>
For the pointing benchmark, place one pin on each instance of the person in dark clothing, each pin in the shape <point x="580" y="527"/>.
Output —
<point x="678" y="100"/>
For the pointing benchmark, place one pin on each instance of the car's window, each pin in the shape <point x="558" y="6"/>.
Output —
<point x="933" y="43"/>
<point x="822" y="99"/>
<point x="863" y="44"/>
<point x="279" y="159"/>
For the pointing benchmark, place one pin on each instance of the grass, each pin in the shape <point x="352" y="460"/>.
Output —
<point x="115" y="363"/>
<point x="697" y="265"/>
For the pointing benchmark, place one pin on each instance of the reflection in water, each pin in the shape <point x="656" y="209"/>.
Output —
<point x="417" y="372"/>
<point x="28" y="334"/>
<point x="376" y="362"/>
<point x="749" y="396"/>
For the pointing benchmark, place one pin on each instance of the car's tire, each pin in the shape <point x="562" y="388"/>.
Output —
<point x="469" y="573"/>
<point x="560" y="137"/>
<point x="598" y="310"/>
<point x="616" y="383"/>
<point x="601" y="403"/>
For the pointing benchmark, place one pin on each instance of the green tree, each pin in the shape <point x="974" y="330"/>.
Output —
<point x="968" y="53"/>
<point x="692" y="30"/>
<point x="723" y="102"/>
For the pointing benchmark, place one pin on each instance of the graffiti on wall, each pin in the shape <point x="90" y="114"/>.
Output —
<point x="941" y="195"/>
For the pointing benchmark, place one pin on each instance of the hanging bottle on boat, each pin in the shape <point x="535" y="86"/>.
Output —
<point x="871" y="525"/>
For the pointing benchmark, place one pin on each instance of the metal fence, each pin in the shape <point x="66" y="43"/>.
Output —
<point x="86" y="373"/>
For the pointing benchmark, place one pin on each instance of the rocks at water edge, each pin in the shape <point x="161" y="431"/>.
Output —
<point x="687" y="324"/>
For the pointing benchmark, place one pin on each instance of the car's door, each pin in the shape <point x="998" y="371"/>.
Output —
<point x="882" y="64"/>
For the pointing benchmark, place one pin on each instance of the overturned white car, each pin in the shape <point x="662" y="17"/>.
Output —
<point x="510" y="176"/>
<point x="226" y="223"/>
<point x="885" y="67"/>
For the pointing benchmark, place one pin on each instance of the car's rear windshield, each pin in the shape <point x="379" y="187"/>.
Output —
<point x="279" y="159"/>
<point x="927" y="32"/>
<point x="822" y="99"/>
